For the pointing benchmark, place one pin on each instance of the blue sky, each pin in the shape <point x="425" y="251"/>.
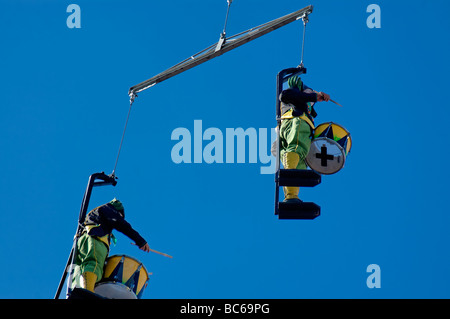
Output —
<point x="64" y="104"/>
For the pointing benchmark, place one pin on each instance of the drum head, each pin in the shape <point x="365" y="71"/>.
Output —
<point x="335" y="132"/>
<point x="325" y="156"/>
<point x="114" y="290"/>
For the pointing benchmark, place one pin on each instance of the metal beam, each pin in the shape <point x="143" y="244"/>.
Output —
<point x="219" y="48"/>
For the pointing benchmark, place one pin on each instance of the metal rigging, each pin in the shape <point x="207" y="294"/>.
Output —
<point x="222" y="46"/>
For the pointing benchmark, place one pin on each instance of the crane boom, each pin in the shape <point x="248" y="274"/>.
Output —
<point x="222" y="46"/>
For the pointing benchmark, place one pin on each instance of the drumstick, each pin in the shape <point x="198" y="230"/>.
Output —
<point x="330" y="99"/>
<point x="335" y="102"/>
<point x="158" y="252"/>
<point x="155" y="251"/>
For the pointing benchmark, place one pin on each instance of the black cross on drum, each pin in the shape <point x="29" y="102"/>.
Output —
<point x="325" y="156"/>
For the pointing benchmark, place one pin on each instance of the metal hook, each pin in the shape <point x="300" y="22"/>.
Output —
<point x="305" y="19"/>
<point x="132" y="96"/>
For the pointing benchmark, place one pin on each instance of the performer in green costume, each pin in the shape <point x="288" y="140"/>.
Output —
<point x="93" y="244"/>
<point x="297" y="125"/>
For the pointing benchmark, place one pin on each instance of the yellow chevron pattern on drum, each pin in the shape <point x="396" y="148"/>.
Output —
<point x="338" y="131"/>
<point x="129" y="268"/>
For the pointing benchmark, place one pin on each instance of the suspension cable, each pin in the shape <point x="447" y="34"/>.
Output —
<point x="132" y="97"/>
<point x="226" y="19"/>
<point x="305" y="21"/>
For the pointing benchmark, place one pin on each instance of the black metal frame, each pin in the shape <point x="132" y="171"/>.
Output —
<point x="292" y="177"/>
<point x="281" y="77"/>
<point x="96" y="179"/>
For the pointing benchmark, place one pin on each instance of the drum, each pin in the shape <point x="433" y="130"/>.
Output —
<point x="329" y="148"/>
<point x="123" y="278"/>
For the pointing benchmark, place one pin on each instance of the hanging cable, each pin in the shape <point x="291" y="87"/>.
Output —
<point x="223" y="37"/>
<point x="132" y="97"/>
<point x="305" y="21"/>
<point x="226" y="19"/>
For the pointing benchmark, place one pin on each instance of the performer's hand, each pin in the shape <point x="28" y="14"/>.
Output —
<point x="321" y="96"/>
<point x="145" y="248"/>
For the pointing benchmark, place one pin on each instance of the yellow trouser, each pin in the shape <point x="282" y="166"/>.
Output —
<point x="290" y="161"/>
<point x="295" y="141"/>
